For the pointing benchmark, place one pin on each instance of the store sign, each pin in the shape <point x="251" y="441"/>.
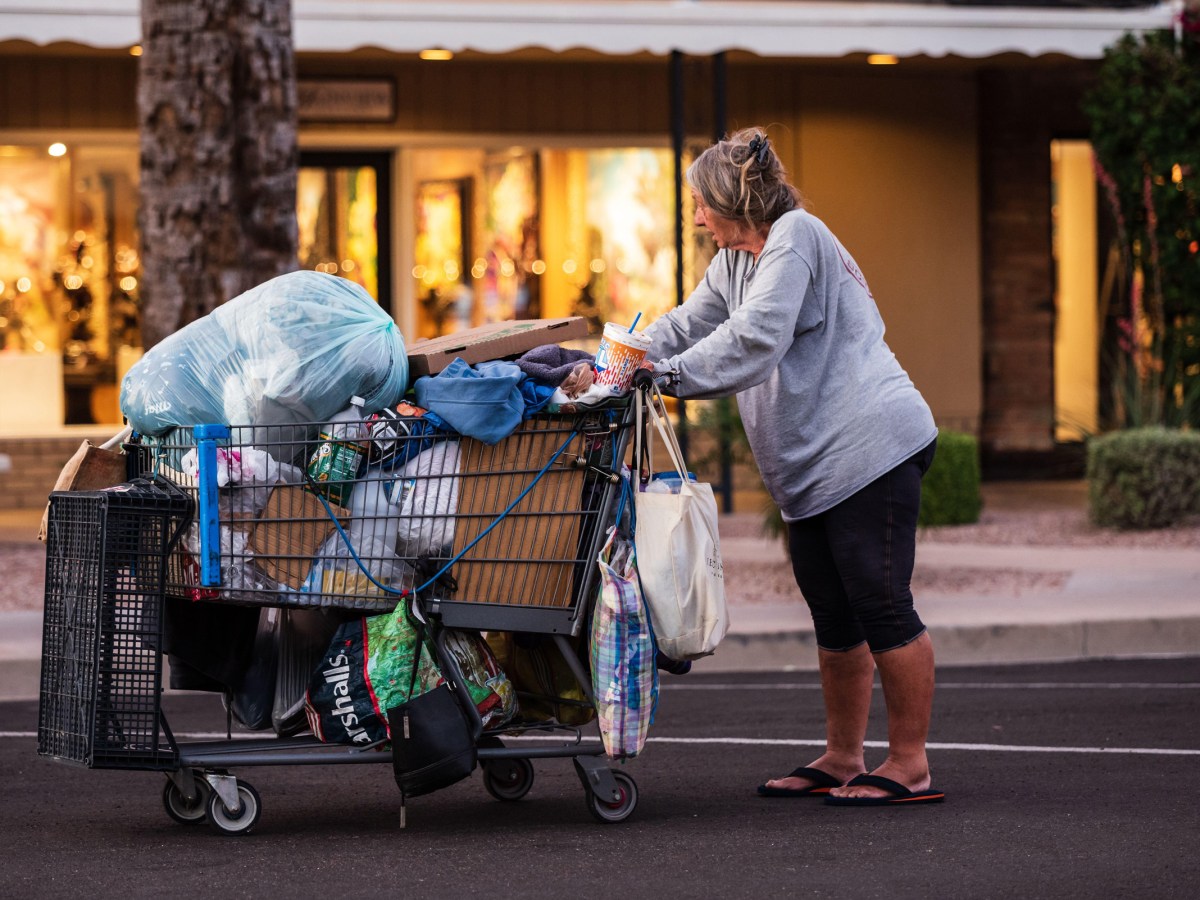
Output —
<point x="346" y="100"/>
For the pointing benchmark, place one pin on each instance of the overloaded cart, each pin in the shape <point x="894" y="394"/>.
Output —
<point x="372" y="588"/>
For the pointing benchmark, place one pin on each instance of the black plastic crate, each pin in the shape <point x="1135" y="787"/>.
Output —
<point x="106" y="555"/>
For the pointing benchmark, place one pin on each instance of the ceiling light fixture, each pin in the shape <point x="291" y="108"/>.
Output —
<point x="882" y="59"/>
<point x="436" y="53"/>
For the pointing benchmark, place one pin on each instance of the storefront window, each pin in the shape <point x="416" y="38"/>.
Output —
<point x="32" y="222"/>
<point x="440" y="257"/>
<point x="588" y="232"/>
<point x="625" y="240"/>
<point x="69" y="278"/>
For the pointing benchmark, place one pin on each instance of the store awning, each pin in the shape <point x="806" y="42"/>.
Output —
<point x="767" y="28"/>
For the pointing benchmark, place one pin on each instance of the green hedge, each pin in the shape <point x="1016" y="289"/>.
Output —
<point x="950" y="490"/>
<point x="1143" y="477"/>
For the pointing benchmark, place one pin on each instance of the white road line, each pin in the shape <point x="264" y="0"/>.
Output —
<point x="774" y="742"/>
<point x="955" y="685"/>
<point x="998" y="748"/>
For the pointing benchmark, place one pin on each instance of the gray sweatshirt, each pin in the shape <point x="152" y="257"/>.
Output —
<point x="797" y="337"/>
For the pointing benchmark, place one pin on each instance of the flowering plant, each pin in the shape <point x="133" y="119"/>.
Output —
<point x="1146" y="136"/>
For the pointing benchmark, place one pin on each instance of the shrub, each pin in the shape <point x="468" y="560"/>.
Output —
<point x="950" y="490"/>
<point x="1143" y="477"/>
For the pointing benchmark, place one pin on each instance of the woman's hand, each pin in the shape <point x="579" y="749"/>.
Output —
<point x="643" y="378"/>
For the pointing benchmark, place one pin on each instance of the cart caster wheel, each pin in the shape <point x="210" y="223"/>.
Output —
<point x="182" y="810"/>
<point x="239" y="821"/>
<point x="612" y="812"/>
<point x="508" y="779"/>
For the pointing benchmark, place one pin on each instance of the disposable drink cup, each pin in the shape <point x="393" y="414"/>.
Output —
<point x="620" y="353"/>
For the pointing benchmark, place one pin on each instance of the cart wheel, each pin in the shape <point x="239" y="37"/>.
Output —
<point x="239" y="821"/>
<point x="508" y="779"/>
<point x="182" y="810"/>
<point x="611" y="813"/>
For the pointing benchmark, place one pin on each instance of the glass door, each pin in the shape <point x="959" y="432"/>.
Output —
<point x="343" y="208"/>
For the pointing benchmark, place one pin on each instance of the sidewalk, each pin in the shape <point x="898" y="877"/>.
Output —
<point x="983" y="602"/>
<point x="1107" y="602"/>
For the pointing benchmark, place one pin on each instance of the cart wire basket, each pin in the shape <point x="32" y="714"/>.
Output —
<point x="516" y="525"/>
<point x="106" y="564"/>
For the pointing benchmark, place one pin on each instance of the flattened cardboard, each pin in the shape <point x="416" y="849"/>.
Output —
<point x="528" y="558"/>
<point x="496" y="340"/>
<point x="291" y="529"/>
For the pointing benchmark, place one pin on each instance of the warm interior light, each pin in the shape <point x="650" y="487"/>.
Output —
<point x="436" y="53"/>
<point x="57" y="149"/>
<point x="882" y="59"/>
<point x="135" y="50"/>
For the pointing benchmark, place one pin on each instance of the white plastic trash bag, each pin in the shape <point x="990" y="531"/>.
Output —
<point x="428" y="500"/>
<point x="294" y="349"/>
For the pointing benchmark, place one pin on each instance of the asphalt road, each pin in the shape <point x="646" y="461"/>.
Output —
<point x="1063" y="781"/>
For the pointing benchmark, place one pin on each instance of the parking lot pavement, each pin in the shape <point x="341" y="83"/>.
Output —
<point x="1073" y="780"/>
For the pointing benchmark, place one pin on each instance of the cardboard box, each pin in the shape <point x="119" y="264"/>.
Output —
<point x="289" y="532"/>
<point x="497" y="340"/>
<point x="529" y="556"/>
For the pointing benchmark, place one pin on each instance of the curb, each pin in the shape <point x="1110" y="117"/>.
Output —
<point x="963" y="645"/>
<point x="796" y="650"/>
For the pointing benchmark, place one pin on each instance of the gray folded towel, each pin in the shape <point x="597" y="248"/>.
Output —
<point x="551" y="364"/>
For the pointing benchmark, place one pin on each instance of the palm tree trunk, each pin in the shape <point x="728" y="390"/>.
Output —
<point x="217" y="116"/>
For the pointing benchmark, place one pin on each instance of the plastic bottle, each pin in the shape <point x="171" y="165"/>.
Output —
<point x="340" y="453"/>
<point x="666" y="483"/>
<point x="373" y="519"/>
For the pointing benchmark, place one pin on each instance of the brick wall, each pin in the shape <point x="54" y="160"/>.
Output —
<point x="29" y="466"/>
<point x="1021" y="112"/>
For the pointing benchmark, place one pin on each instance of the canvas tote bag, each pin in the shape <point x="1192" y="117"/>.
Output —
<point x="678" y="551"/>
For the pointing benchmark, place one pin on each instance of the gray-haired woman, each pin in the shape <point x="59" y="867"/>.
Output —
<point x="784" y="319"/>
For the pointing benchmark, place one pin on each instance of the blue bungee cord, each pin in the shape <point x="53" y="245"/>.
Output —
<point x="406" y="591"/>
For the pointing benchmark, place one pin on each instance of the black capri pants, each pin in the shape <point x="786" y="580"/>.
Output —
<point x="854" y="562"/>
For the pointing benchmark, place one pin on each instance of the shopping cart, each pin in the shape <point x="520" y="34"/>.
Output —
<point x="495" y="538"/>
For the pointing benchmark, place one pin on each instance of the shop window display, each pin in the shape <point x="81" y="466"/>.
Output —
<point x="30" y="224"/>
<point x="440" y="257"/>
<point x="69" y="267"/>
<point x="552" y="232"/>
<point x="508" y="271"/>
<point x="628" y="236"/>
<point x="337" y="211"/>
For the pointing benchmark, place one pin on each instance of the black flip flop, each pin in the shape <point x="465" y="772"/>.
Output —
<point x="900" y="795"/>
<point x="821" y="784"/>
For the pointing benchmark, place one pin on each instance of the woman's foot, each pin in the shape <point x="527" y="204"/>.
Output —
<point x="916" y="778"/>
<point x="840" y="769"/>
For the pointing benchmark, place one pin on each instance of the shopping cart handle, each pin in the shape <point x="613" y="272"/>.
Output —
<point x="207" y="515"/>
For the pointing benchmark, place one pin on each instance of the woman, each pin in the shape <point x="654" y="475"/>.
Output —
<point x="784" y="319"/>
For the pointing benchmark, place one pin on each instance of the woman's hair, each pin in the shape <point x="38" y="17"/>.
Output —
<point x="742" y="178"/>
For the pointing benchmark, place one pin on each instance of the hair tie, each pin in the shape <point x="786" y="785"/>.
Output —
<point x="759" y="146"/>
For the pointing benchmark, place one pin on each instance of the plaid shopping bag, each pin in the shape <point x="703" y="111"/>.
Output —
<point x="624" y="674"/>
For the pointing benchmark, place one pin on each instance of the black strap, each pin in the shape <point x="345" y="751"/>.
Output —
<point x="416" y="662"/>
<point x="816" y="776"/>
<point x="892" y="787"/>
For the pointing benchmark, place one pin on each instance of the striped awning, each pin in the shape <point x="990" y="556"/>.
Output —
<point x="769" y="28"/>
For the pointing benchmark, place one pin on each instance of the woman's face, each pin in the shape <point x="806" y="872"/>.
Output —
<point x="728" y="234"/>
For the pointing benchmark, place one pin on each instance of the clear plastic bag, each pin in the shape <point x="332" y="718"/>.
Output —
<point x="293" y="349"/>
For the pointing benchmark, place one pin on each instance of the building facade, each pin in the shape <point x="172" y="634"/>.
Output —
<point x="532" y="173"/>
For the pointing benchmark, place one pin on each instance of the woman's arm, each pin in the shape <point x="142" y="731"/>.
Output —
<point x="745" y="348"/>
<point x="705" y="309"/>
